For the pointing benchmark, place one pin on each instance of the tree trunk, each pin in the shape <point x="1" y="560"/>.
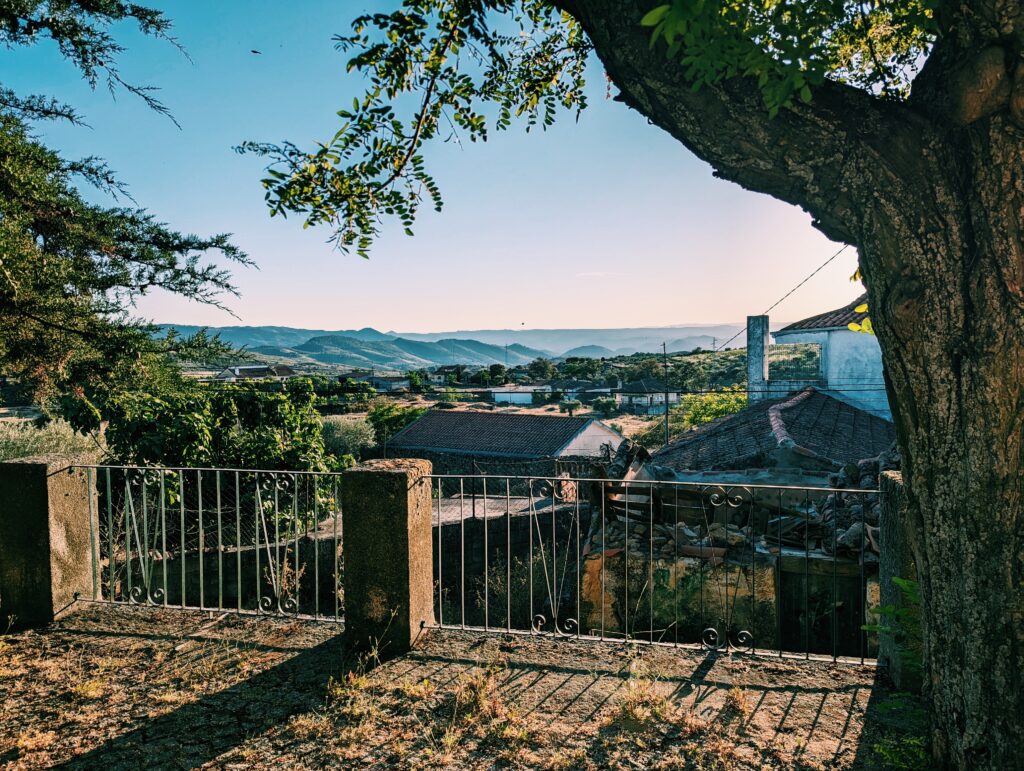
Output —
<point x="949" y="321"/>
<point x="936" y="209"/>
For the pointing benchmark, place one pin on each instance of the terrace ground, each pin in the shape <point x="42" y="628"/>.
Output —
<point x="125" y="687"/>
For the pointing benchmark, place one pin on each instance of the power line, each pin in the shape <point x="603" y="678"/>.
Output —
<point x="779" y="301"/>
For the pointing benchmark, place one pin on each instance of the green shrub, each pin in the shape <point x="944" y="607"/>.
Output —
<point x="694" y="410"/>
<point x="347" y="435"/>
<point x="20" y="439"/>
<point x="388" y="418"/>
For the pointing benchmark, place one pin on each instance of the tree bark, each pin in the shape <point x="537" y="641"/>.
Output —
<point x="932" y="194"/>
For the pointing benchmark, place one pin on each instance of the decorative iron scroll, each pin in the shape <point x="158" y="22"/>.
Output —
<point x="711" y="640"/>
<point x="734" y="497"/>
<point x="569" y="627"/>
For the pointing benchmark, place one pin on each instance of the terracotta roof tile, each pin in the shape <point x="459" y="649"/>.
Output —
<point x="824" y="425"/>
<point x="489" y="433"/>
<point x="840" y="317"/>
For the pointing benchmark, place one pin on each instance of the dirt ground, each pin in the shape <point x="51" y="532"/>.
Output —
<point x="149" y="688"/>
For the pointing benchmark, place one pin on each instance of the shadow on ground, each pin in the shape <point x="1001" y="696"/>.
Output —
<point x="140" y="687"/>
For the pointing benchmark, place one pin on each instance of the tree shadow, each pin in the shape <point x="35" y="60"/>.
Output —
<point x="894" y="733"/>
<point x="201" y="731"/>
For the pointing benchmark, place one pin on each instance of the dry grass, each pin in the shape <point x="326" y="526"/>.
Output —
<point x="737" y="703"/>
<point x="93" y="688"/>
<point x="259" y="694"/>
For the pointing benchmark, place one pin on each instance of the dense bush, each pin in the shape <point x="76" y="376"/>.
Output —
<point x="235" y="425"/>
<point x="694" y="410"/>
<point x="347" y="435"/>
<point x="388" y="418"/>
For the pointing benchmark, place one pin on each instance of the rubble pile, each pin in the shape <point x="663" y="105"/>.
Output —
<point x="665" y="540"/>
<point x="843" y="523"/>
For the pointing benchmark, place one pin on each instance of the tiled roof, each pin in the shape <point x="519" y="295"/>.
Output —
<point x="840" y="317"/>
<point x="825" y="426"/>
<point x="646" y="386"/>
<point x="570" y="385"/>
<point x="489" y="433"/>
<point x="260" y="370"/>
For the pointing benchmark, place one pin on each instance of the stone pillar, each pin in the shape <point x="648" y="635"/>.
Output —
<point x="757" y="358"/>
<point x="896" y="560"/>
<point x="386" y="531"/>
<point x="48" y="539"/>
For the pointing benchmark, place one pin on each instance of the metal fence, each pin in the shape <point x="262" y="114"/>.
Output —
<point x="263" y="542"/>
<point x="795" y="361"/>
<point x="790" y="571"/>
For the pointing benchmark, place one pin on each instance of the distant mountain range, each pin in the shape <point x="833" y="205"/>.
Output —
<point x="370" y="348"/>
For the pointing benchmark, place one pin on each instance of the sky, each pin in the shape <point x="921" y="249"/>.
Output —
<point x="604" y="222"/>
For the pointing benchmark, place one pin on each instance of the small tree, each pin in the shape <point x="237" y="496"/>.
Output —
<point x="347" y="435"/>
<point x="541" y="369"/>
<point x="416" y="381"/>
<point x="570" y="406"/>
<point x="388" y="418"/>
<point x="605" y="405"/>
<point x="694" y="410"/>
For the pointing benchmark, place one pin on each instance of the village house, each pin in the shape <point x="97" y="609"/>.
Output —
<point x="438" y="376"/>
<point x="520" y="395"/>
<point x="645" y="397"/>
<point x="850" y="362"/>
<point x="570" y="389"/>
<point x="380" y="383"/>
<point x="255" y="372"/>
<point x="468" y="442"/>
<point x="388" y="383"/>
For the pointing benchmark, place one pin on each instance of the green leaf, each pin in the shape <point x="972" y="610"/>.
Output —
<point x="652" y="17"/>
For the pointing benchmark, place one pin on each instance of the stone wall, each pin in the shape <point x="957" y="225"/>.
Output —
<point x="469" y="465"/>
<point x="901" y="653"/>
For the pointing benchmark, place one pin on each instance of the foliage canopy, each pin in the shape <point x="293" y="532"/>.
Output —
<point x="71" y="271"/>
<point x="437" y="69"/>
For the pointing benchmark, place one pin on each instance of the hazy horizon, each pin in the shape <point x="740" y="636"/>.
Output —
<point x="605" y="223"/>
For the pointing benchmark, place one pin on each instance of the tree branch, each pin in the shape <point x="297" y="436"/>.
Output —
<point x="835" y="157"/>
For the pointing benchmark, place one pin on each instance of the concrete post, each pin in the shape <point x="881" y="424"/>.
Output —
<point x="386" y="530"/>
<point x="48" y="538"/>
<point x="757" y="358"/>
<point x="895" y="560"/>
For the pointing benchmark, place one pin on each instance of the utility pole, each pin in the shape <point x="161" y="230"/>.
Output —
<point x="664" y="361"/>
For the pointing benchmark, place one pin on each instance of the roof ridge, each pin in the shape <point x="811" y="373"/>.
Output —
<point x="779" y="430"/>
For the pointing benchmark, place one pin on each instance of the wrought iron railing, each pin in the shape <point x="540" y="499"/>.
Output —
<point x="790" y="571"/>
<point x="263" y="542"/>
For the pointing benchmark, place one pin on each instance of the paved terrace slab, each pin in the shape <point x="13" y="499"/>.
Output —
<point x="148" y="688"/>
<point x="454" y="510"/>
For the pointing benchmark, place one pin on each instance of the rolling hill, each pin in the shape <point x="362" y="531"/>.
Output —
<point x="370" y="348"/>
<point x="394" y="353"/>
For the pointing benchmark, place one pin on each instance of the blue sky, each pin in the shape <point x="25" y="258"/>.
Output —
<point x="601" y="223"/>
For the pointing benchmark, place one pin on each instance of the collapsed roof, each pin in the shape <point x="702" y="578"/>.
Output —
<point x="810" y="430"/>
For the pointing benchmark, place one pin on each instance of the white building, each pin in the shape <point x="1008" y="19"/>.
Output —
<point x="645" y="397"/>
<point x="519" y="395"/>
<point x="850" y="364"/>
<point x="255" y="372"/>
